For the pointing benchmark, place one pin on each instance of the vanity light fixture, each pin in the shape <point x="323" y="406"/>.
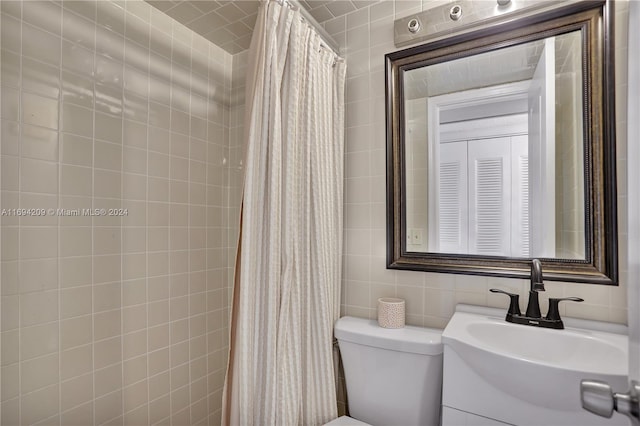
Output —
<point x="455" y="12"/>
<point x="414" y="25"/>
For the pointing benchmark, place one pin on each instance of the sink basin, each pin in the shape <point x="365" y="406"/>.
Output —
<point x="570" y="349"/>
<point x="536" y="372"/>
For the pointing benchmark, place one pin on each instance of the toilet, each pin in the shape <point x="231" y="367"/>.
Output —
<point x="394" y="376"/>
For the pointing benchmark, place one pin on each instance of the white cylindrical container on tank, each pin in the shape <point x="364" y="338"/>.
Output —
<point x="391" y="312"/>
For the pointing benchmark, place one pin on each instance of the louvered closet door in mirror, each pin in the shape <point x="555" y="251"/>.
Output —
<point x="482" y="201"/>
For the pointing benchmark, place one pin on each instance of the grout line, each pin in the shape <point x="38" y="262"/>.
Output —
<point x="93" y="223"/>
<point x="19" y="256"/>
<point x="188" y="230"/>
<point x="122" y="203"/>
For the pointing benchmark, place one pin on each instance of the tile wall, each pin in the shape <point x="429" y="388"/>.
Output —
<point x="365" y="36"/>
<point x="112" y="319"/>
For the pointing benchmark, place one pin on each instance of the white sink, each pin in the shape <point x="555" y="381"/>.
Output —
<point x="526" y="375"/>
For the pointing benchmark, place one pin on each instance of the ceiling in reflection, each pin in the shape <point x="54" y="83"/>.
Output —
<point x="229" y="24"/>
<point x="516" y="63"/>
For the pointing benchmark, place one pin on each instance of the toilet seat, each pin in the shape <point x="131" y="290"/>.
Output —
<point x="346" y="421"/>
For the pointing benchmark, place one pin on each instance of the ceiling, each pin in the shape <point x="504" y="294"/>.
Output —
<point x="229" y="24"/>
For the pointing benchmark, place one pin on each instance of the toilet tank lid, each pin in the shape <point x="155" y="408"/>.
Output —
<point x="419" y="340"/>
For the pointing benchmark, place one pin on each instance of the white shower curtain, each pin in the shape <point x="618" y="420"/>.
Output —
<point x="288" y="270"/>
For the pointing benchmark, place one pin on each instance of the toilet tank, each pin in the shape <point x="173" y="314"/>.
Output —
<point x="394" y="376"/>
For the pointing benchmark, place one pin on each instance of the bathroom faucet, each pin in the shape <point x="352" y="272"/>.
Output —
<point x="533" y="316"/>
<point x="533" y="307"/>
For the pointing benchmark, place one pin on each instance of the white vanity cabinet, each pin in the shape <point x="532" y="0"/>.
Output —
<point x="459" y="405"/>
<point x="499" y="373"/>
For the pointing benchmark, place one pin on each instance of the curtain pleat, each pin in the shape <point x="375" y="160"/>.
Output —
<point x="288" y="269"/>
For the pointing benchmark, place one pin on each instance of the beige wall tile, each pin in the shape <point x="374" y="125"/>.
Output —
<point x="39" y="143"/>
<point x="134" y="266"/>
<point x="108" y="407"/>
<point x="10" y="312"/>
<point x="78" y="416"/>
<point x="38" y="242"/>
<point x="134" y="344"/>
<point x="9" y="276"/>
<point x="11" y="412"/>
<point x="10" y="381"/>
<point x="76" y="180"/>
<point x="38" y="308"/>
<point x="75" y="241"/>
<point x="179" y="331"/>
<point x="75" y="332"/>
<point x="108" y="380"/>
<point x="108" y="127"/>
<point x="39" y="111"/>
<point x="107" y="184"/>
<point x="76" y="391"/>
<point x="76" y="361"/>
<point x="10" y="351"/>
<point x="75" y="271"/>
<point x="108" y="156"/>
<point x="107" y="297"/>
<point x="135" y="370"/>
<point x="158" y="313"/>
<point x="137" y="416"/>
<point x="134" y="292"/>
<point x="38" y="340"/>
<point x="159" y="337"/>
<point x="77" y="120"/>
<point x="106" y="269"/>
<point x="76" y="150"/>
<point x="107" y="324"/>
<point x="160" y="409"/>
<point x="180" y="354"/>
<point x="135" y="187"/>
<point x="158" y="369"/>
<point x="75" y="301"/>
<point x="158" y="288"/>
<point x="10" y="243"/>
<point x="135" y="395"/>
<point x="39" y="405"/>
<point x="10" y="174"/>
<point x="38" y="275"/>
<point x="107" y="352"/>
<point x="134" y="318"/>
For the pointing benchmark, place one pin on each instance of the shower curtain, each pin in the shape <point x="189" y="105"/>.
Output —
<point x="286" y="294"/>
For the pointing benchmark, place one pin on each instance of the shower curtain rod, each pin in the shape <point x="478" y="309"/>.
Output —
<point x="326" y="38"/>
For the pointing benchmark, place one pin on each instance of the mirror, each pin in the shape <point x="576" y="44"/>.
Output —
<point x="501" y="149"/>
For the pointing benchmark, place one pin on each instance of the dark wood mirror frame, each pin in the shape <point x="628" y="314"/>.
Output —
<point x="595" y="20"/>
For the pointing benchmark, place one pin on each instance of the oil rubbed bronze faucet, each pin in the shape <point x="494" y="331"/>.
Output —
<point x="533" y="316"/>
<point x="537" y="284"/>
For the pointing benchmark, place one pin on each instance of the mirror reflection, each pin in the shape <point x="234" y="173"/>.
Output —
<point x="494" y="155"/>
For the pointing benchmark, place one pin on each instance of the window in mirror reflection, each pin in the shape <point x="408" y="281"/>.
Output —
<point x="494" y="152"/>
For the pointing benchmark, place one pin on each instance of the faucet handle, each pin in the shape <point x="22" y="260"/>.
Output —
<point x="514" y="305"/>
<point x="554" y="314"/>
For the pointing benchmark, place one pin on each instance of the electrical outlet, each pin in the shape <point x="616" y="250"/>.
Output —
<point x="416" y="236"/>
